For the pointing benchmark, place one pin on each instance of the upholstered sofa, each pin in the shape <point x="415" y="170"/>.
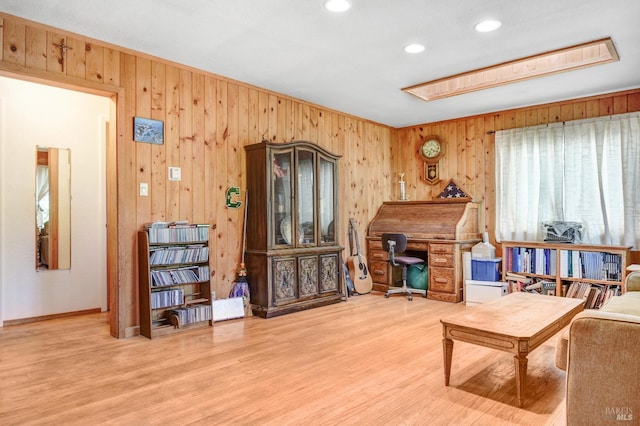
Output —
<point x="600" y="353"/>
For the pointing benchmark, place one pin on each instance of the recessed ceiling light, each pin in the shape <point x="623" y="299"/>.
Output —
<point x="488" y="25"/>
<point x="414" y="48"/>
<point x="337" y="5"/>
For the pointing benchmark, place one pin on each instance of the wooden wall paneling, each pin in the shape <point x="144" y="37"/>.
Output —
<point x="75" y="65"/>
<point x="111" y="61"/>
<point x="487" y="166"/>
<point x="289" y="129"/>
<point x="55" y="59"/>
<point x="127" y="222"/>
<point x="304" y="123"/>
<point x="221" y="246"/>
<point x="620" y="104"/>
<point x="297" y="121"/>
<point x="172" y="140"/>
<point x="253" y="112"/>
<point x="185" y="146"/>
<point x="591" y="108"/>
<point x="263" y="117"/>
<point x="633" y="101"/>
<point x="272" y="118"/>
<point x="605" y="106"/>
<point x="244" y="129"/>
<point x="13" y="46"/>
<point x="210" y="170"/>
<point x="234" y="178"/>
<point x="94" y="58"/>
<point x="579" y="110"/>
<point x="566" y="113"/>
<point x="35" y="48"/>
<point x="158" y="179"/>
<point x="143" y="81"/>
<point x="477" y="175"/>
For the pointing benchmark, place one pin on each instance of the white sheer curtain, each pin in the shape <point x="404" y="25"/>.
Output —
<point x="585" y="171"/>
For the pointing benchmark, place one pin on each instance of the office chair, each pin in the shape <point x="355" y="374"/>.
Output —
<point x="397" y="243"/>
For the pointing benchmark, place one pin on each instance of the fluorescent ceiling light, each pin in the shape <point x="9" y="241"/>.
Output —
<point x="487" y="26"/>
<point x="414" y="48"/>
<point x="570" y="58"/>
<point x="337" y="5"/>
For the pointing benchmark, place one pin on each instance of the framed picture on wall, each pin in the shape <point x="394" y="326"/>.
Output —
<point x="148" y="130"/>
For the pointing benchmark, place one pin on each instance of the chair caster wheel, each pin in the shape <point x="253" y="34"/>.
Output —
<point x="411" y="298"/>
<point x="386" y="295"/>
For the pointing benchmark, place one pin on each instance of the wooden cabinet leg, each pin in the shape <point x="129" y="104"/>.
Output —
<point x="520" y="362"/>
<point x="447" y="351"/>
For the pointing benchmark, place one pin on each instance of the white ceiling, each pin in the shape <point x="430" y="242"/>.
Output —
<point x="353" y="62"/>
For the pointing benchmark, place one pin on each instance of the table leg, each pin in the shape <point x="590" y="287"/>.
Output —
<point x="447" y="351"/>
<point x="520" y="362"/>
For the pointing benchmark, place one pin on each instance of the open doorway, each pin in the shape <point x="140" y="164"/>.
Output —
<point x="36" y="115"/>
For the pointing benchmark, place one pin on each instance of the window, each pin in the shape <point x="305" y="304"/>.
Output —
<point x="585" y="171"/>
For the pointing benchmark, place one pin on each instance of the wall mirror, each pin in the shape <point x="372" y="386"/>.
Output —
<point x="53" y="208"/>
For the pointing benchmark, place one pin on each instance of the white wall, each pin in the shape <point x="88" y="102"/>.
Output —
<point x="32" y="115"/>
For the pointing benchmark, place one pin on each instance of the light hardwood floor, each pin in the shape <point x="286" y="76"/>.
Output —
<point x="369" y="360"/>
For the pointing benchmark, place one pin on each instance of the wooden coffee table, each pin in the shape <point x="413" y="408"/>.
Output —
<point x="517" y="323"/>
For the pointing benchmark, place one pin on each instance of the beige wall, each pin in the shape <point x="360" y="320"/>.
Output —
<point x="35" y="115"/>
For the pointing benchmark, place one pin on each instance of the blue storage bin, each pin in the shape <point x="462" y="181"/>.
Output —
<point x="485" y="269"/>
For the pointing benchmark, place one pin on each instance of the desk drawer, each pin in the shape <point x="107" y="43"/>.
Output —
<point x="441" y="280"/>
<point x="378" y="255"/>
<point x="379" y="272"/>
<point x="439" y="260"/>
<point x="441" y="248"/>
<point x="375" y="245"/>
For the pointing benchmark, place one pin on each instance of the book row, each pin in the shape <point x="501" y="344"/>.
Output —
<point x="175" y="255"/>
<point x="166" y="298"/>
<point x="178" y="233"/>
<point x="167" y="277"/>
<point x="573" y="263"/>
<point x="594" y="295"/>
<point x="192" y="314"/>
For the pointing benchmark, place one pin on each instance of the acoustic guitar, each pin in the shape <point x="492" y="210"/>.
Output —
<point x="360" y="276"/>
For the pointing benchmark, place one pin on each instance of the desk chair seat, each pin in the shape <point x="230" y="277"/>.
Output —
<point x="397" y="243"/>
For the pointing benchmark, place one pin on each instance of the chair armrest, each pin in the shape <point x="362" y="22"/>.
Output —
<point x="602" y="366"/>
<point x="632" y="282"/>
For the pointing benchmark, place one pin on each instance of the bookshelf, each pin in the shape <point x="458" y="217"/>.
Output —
<point x="174" y="278"/>
<point x="593" y="272"/>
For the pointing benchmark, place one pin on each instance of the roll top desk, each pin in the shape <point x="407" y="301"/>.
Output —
<point x="438" y="231"/>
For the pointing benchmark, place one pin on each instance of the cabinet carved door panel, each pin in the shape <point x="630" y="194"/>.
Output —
<point x="329" y="273"/>
<point x="308" y="267"/>
<point x="285" y="279"/>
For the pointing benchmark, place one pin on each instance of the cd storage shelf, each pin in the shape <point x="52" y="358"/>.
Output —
<point x="174" y="278"/>
<point x="564" y="263"/>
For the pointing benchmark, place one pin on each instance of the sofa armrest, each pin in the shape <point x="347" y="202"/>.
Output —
<point x="632" y="282"/>
<point x="603" y="367"/>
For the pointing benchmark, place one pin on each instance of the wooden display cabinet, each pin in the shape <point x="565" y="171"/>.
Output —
<point x="292" y="253"/>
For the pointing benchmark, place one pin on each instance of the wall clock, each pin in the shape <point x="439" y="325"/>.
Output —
<point x="431" y="150"/>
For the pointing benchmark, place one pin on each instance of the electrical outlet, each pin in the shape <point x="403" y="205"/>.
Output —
<point x="144" y="189"/>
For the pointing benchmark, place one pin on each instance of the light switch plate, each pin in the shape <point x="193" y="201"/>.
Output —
<point x="175" y="173"/>
<point x="144" y="189"/>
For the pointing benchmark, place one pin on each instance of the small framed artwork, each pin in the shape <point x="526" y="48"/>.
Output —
<point x="148" y="130"/>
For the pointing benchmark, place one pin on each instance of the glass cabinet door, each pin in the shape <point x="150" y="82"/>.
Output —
<point x="326" y="213"/>
<point x="306" y="197"/>
<point x="282" y="191"/>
